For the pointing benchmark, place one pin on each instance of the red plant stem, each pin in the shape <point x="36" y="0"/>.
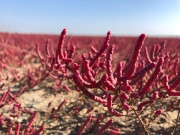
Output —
<point x="99" y="118"/>
<point x="49" y="104"/>
<point x="143" y="71"/>
<point x="28" y="111"/>
<point x="79" y="77"/>
<point x="65" y="54"/>
<point x="71" y="52"/>
<point x="103" y="48"/>
<point x="175" y="84"/>
<point x="89" y="110"/>
<point x="52" y="111"/>
<point x="83" y="57"/>
<point x="140" y="106"/>
<point x="126" y="87"/>
<point x="59" y="52"/>
<point x="13" y="115"/>
<point x="3" y="96"/>
<point x="152" y="53"/>
<point x="147" y="55"/>
<point x="109" y="63"/>
<point x="162" y="46"/>
<point x="90" y="55"/>
<point x="166" y="85"/>
<point x="109" y="85"/>
<point x="155" y="96"/>
<point x="88" y="71"/>
<point x="110" y="109"/>
<point x="86" y="92"/>
<point x="59" y="107"/>
<point x="153" y="77"/>
<point x="98" y="64"/>
<point x="12" y="96"/>
<point x="132" y="65"/>
<point x="119" y="70"/>
<point x="55" y="116"/>
<point x="175" y="69"/>
<point x="66" y="88"/>
<point x="10" y="130"/>
<point x="126" y="106"/>
<point x="141" y="64"/>
<point x="102" y="80"/>
<point x="2" y="122"/>
<point x="93" y="49"/>
<point x="53" y="76"/>
<point x="39" y="53"/>
<point x="67" y="60"/>
<point x="114" y="132"/>
<point x="1" y="86"/>
<point x="17" y="129"/>
<point x="124" y="97"/>
<point x="47" y="48"/>
<point x="31" y="120"/>
<point x="174" y="93"/>
<point x="156" y="51"/>
<point x="21" y="91"/>
<point x="39" y="130"/>
<point x="157" y="112"/>
<point x="84" y="126"/>
<point x="103" y="128"/>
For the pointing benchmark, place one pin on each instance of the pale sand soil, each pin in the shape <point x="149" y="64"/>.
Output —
<point x="68" y="123"/>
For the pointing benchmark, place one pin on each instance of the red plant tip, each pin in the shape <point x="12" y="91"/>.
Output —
<point x="114" y="131"/>
<point x="49" y="104"/>
<point x="110" y="109"/>
<point x="109" y="33"/>
<point x="31" y="120"/>
<point x="124" y="96"/>
<point x="132" y="64"/>
<point x="126" y="106"/>
<point x="109" y="85"/>
<point x="108" y="37"/>
<point x="155" y="96"/>
<point x="141" y="105"/>
<point x="76" y="66"/>
<point x="143" y="35"/>
<point x="85" y="125"/>
<point x="102" y="50"/>
<point x="64" y="31"/>
<point x="140" y="41"/>
<point x="59" y="107"/>
<point x="160" y="62"/>
<point x="135" y="95"/>
<point x="39" y="130"/>
<point x="17" y="129"/>
<point x="158" y="112"/>
<point x="153" y="77"/>
<point x="103" y="128"/>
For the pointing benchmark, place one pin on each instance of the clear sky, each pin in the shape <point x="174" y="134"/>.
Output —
<point x="91" y="17"/>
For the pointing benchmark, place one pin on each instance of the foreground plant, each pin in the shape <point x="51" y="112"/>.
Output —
<point x="135" y="85"/>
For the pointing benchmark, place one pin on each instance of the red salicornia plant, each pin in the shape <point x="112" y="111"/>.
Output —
<point x="134" y="85"/>
<point x="143" y="86"/>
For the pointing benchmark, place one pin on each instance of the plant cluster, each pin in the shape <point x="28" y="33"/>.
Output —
<point x="145" y="82"/>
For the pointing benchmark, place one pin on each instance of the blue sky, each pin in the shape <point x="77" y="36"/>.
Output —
<point x="91" y="17"/>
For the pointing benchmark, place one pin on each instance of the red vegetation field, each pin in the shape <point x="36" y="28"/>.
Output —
<point x="62" y="85"/>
